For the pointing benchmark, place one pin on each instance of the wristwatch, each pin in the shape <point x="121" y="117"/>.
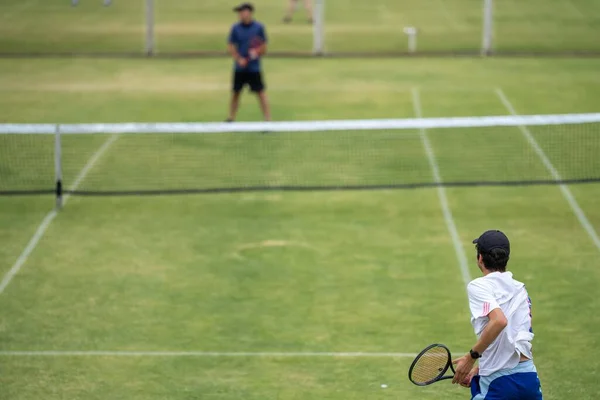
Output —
<point x="474" y="355"/>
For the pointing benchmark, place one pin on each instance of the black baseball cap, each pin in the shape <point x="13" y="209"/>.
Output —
<point x="490" y="240"/>
<point x="244" y="6"/>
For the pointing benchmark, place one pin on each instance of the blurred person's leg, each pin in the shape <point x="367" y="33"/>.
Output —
<point x="257" y="86"/>
<point x="309" y="11"/>
<point x="290" y="11"/>
<point x="264" y="105"/>
<point x="234" y="105"/>
<point x="239" y="80"/>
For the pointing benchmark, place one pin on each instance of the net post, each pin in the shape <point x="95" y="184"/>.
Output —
<point x="58" y="168"/>
<point x="488" y="21"/>
<point x="318" y="28"/>
<point x="149" y="28"/>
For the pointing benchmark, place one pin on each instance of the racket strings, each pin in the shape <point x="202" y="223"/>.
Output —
<point x="430" y="365"/>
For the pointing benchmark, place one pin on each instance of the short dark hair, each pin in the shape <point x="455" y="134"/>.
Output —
<point x="495" y="259"/>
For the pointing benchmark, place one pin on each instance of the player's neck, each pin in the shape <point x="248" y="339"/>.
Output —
<point x="486" y="271"/>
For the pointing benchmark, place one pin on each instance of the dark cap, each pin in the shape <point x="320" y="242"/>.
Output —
<point x="244" y="6"/>
<point x="491" y="240"/>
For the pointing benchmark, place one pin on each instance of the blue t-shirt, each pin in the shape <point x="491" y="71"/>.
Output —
<point x="243" y="37"/>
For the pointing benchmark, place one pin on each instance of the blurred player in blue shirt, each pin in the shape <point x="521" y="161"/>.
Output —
<point x="247" y="43"/>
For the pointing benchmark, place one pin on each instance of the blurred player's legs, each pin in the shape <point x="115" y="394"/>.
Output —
<point x="292" y="9"/>
<point x="235" y="105"/>
<point x="257" y="86"/>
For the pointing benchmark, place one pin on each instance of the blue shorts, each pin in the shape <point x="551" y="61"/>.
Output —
<point x="518" y="383"/>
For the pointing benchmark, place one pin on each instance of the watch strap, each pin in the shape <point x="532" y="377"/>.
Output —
<point x="474" y="355"/>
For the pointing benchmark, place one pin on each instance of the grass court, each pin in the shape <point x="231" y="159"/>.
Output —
<point x="115" y="282"/>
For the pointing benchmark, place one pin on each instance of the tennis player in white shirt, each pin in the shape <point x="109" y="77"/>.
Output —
<point x="501" y="316"/>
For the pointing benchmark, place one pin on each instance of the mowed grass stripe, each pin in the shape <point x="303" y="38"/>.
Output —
<point x="381" y="88"/>
<point x="224" y="273"/>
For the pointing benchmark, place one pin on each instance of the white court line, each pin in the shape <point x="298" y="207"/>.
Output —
<point x="450" y="224"/>
<point x="583" y="220"/>
<point x="51" y="215"/>
<point x="51" y="353"/>
<point x="27" y="251"/>
<point x="90" y="164"/>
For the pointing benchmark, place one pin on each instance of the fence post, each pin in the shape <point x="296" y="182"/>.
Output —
<point x="58" y="168"/>
<point x="149" y="27"/>
<point x="488" y="28"/>
<point x="318" y="28"/>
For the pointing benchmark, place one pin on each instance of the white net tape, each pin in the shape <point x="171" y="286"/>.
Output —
<point x="303" y="126"/>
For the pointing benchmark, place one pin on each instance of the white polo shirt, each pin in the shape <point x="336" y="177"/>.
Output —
<point x="500" y="290"/>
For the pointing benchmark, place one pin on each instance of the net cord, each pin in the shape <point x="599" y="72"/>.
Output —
<point x="302" y="126"/>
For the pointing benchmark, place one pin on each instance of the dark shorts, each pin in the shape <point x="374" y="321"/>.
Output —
<point x="252" y="79"/>
<point x="520" y="383"/>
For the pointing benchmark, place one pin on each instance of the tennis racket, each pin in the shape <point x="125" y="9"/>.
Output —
<point x="255" y="43"/>
<point x="430" y="365"/>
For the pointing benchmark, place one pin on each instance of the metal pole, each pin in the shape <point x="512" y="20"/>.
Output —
<point x="488" y="20"/>
<point x="149" y="27"/>
<point x="318" y="28"/>
<point x="58" y="168"/>
<point x="411" y="32"/>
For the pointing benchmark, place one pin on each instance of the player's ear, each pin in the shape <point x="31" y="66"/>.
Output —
<point x="480" y="260"/>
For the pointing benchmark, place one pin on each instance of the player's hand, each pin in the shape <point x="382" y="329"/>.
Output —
<point x="467" y="381"/>
<point x="463" y="368"/>
<point x="242" y="62"/>
<point x="253" y="54"/>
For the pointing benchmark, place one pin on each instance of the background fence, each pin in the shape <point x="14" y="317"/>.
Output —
<point x="355" y="26"/>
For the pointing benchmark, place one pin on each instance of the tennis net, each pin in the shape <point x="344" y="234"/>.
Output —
<point x="163" y="158"/>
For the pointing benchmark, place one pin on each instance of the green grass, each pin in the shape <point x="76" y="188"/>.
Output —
<point x="351" y="25"/>
<point x="285" y="272"/>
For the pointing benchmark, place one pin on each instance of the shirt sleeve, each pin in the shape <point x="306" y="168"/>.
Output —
<point x="481" y="299"/>
<point x="232" y="39"/>
<point x="262" y="33"/>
